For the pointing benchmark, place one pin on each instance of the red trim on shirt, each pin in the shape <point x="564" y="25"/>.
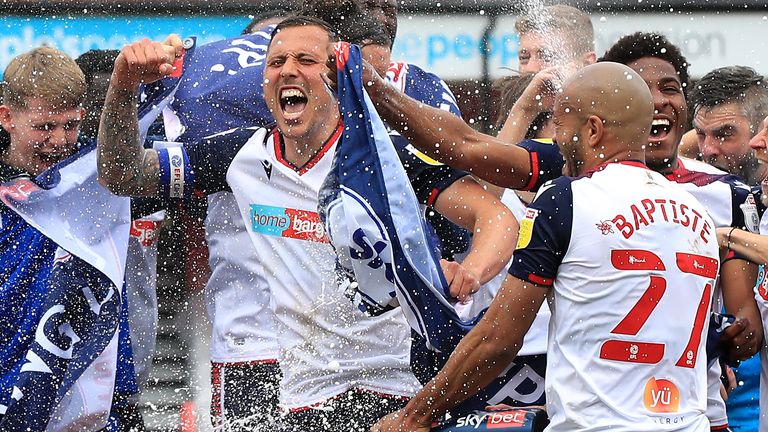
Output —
<point x="433" y="196"/>
<point x="280" y="148"/>
<point x="540" y="280"/>
<point x="719" y="428"/>
<point x="605" y="165"/>
<point x="534" y="171"/>
<point x="243" y="363"/>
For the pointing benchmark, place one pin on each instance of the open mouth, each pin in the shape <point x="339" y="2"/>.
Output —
<point x="660" y="128"/>
<point x="52" y="158"/>
<point x="293" y="102"/>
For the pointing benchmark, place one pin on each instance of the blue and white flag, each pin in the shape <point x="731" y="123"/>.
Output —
<point x="386" y="250"/>
<point x="64" y="239"/>
<point x="217" y="87"/>
<point x="376" y="223"/>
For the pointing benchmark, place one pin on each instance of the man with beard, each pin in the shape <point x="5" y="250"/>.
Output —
<point x="664" y="69"/>
<point x="598" y="278"/>
<point x="729" y="103"/>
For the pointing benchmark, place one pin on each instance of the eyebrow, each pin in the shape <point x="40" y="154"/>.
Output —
<point x="668" y="79"/>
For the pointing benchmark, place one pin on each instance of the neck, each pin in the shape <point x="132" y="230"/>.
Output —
<point x="617" y="156"/>
<point x="664" y="167"/>
<point x="300" y="150"/>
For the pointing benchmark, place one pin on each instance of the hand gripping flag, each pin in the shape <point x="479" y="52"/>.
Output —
<point x="383" y="244"/>
<point x="217" y="87"/>
<point x="64" y="240"/>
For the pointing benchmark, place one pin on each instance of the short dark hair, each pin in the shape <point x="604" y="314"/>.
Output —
<point x="641" y="44"/>
<point x="258" y="19"/>
<point x="739" y="84"/>
<point x="96" y="61"/>
<point x="302" y="21"/>
<point x="349" y="20"/>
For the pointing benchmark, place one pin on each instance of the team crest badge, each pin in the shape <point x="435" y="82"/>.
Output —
<point x="605" y="227"/>
<point x="751" y="218"/>
<point x="526" y="228"/>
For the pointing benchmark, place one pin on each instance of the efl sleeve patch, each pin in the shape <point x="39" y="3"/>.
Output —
<point x="176" y="178"/>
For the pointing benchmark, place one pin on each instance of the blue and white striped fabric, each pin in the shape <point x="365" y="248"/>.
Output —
<point x="385" y="248"/>
<point x="376" y="223"/>
<point x="217" y="88"/>
<point x="77" y="232"/>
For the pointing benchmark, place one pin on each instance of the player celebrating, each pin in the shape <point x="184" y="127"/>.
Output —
<point x="609" y="281"/>
<point x="341" y="369"/>
<point x="664" y="70"/>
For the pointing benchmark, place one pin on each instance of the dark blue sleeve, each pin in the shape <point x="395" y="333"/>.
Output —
<point x="200" y="168"/>
<point x="428" y="88"/>
<point x="546" y="163"/>
<point x="545" y="233"/>
<point x="428" y="177"/>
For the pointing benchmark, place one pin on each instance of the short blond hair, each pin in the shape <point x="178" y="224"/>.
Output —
<point x="45" y="73"/>
<point x="568" y="20"/>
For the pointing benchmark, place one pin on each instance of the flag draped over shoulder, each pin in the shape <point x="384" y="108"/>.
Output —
<point x="376" y="223"/>
<point x="216" y="88"/>
<point x="383" y="244"/>
<point x="65" y="239"/>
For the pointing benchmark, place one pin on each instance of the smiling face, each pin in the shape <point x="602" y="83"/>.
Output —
<point x="723" y="134"/>
<point x="41" y="135"/>
<point x="294" y="91"/>
<point x="670" y="111"/>
<point x="759" y="142"/>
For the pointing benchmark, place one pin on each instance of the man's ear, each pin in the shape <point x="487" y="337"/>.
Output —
<point x="595" y="131"/>
<point x="5" y="117"/>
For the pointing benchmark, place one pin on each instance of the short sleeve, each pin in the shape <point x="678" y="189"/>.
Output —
<point x="545" y="234"/>
<point x="546" y="163"/>
<point x="200" y="168"/>
<point x="428" y="177"/>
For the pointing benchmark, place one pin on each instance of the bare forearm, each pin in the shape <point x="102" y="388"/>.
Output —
<point x="124" y="165"/>
<point x="483" y="353"/>
<point x="450" y="140"/>
<point x="516" y="126"/>
<point x="493" y="241"/>
<point x="479" y="358"/>
<point x="754" y="247"/>
<point x="738" y="277"/>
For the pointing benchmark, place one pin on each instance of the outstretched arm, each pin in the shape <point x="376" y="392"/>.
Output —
<point x="448" y="138"/>
<point x="125" y="167"/>
<point x="480" y="357"/>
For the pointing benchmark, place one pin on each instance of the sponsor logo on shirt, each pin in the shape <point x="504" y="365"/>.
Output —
<point x="145" y="231"/>
<point x="526" y="228"/>
<point x="493" y="420"/>
<point x="751" y="218"/>
<point x="287" y="222"/>
<point x="661" y="396"/>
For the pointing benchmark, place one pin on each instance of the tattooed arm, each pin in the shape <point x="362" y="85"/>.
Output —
<point x="125" y="167"/>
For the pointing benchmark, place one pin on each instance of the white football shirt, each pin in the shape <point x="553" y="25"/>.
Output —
<point x="626" y="345"/>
